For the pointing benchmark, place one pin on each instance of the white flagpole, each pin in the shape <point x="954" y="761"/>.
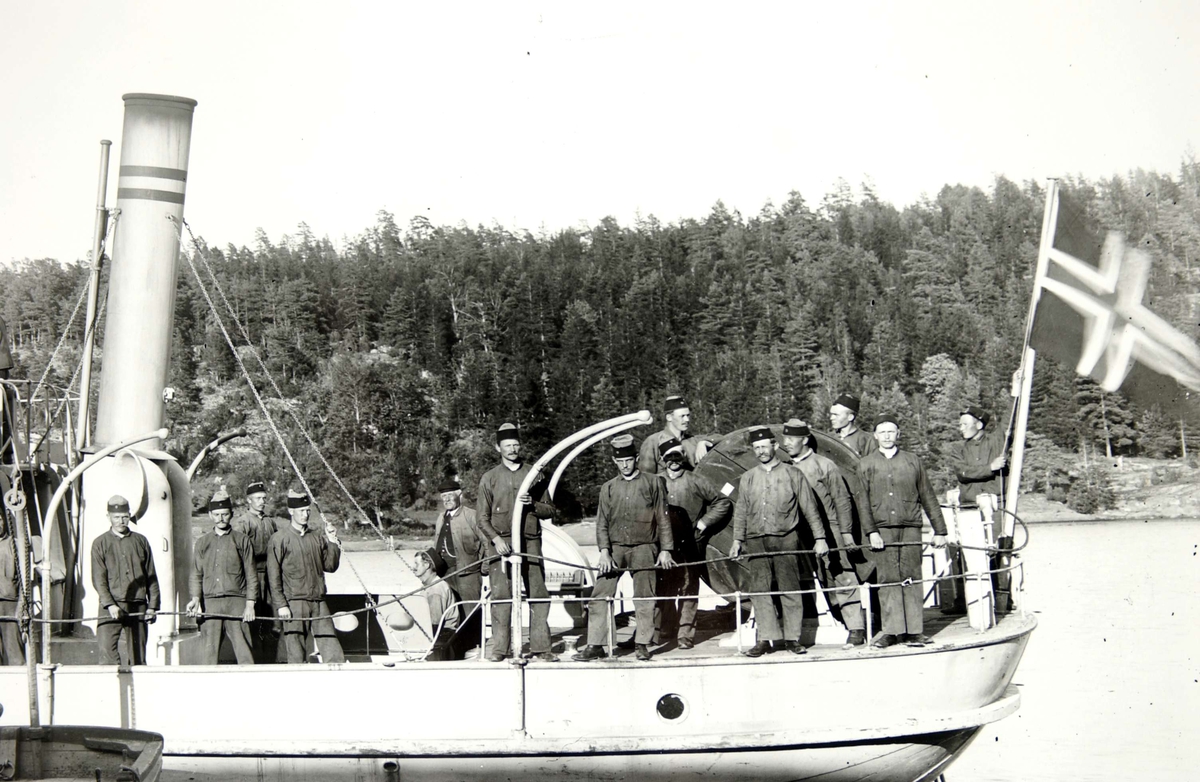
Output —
<point x="1049" y="223"/>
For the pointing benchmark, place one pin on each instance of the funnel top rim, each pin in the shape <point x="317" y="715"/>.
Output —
<point x="154" y="98"/>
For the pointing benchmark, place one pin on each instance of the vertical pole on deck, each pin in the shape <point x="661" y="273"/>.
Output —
<point x="84" y="436"/>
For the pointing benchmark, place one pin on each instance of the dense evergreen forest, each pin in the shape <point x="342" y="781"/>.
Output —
<point x="401" y="351"/>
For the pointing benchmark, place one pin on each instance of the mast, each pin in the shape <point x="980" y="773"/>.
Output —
<point x="1029" y="355"/>
<point x="84" y="436"/>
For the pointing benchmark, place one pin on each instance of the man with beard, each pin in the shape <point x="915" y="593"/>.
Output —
<point x="459" y="546"/>
<point x="697" y="511"/>
<point x="632" y="531"/>
<point x="223" y="584"/>
<point x="773" y="498"/>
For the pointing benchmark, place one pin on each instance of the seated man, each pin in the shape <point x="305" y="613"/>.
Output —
<point x="445" y="614"/>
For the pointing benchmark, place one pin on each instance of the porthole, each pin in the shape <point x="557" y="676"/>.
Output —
<point x="672" y="707"/>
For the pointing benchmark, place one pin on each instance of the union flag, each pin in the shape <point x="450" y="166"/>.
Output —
<point x="1090" y="312"/>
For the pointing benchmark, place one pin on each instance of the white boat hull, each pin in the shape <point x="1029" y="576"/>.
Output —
<point x="895" y="714"/>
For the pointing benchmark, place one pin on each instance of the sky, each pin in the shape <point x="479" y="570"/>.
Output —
<point x="546" y="116"/>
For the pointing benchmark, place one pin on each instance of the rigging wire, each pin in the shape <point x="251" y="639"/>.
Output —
<point x="266" y="413"/>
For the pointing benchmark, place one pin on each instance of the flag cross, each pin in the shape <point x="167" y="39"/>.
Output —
<point x="1118" y="326"/>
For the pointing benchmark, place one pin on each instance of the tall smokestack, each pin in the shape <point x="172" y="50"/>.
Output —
<point x="141" y="304"/>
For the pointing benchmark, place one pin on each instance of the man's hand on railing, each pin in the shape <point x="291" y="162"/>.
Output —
<point x="248" y="614"/>
<point x="876" y="541"/>
<point x="502" y="547"/>
<point x="665" y="560"/>
<point x="939" y="541"/>
<point x="193" y="607"/>
<point x="821" y="548"/>
<point x="606" y="563"/>
<point x="735" y="550"/>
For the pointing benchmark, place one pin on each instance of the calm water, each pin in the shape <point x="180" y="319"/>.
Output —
<point x="1110" y="682"/>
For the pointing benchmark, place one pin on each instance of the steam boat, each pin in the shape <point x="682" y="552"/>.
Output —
<point x="834" y="714"/>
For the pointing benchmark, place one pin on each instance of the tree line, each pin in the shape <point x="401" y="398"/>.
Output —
<point x="403" y="349"/>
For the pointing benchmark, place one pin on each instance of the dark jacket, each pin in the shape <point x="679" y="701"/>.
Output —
<point x="498" y="496"/>
<point x="259" y="530"/>
<point x="632" y="512"/>
<point x="6" y="361"/>
<point x="223" y="566"/>
<point x="773" y="501"/>
<point x="971" y="460"/>
<point x="297" y="564"/>
<point x="123" y="570"/>
<point x="862" y="443"/>
<point x="894" y="492"/>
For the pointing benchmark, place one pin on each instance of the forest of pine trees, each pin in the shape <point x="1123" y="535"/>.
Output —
<point x="401" y="351"/>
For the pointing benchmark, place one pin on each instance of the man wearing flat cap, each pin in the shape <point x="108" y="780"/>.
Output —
<point x="223" y="584"/>
<point x="773" y="500"/>
<point x="125" y="580"/>
<point x="843" y="417"/>
<point x="632" y="531"/>
<point x="678" y="418"/>
<point x="895" y="489"/>
<point x="253" y="522"/>
<point x="457" y="541"/>
<point x="697" y="510"/>
<point x="837" y="572"/>
<point x="499" y="493"/>
<point x="297" y="561"/>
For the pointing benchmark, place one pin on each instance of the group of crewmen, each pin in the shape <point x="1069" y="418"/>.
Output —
<point x="251" y="581"/>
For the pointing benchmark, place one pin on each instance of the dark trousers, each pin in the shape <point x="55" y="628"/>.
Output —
<point x="122" y="641"/>
<point x="784" y="570"/>
<point x="903" y="607"/>
<point x="469" y="587"/>
<point x="213" y="629"/>
<point x="642" y="556"/>
<point x="265" y="630"/>
<point x="10" y="634"/>
<point x="840" y="584"/>
<point x="534" y="577"/>
<point x="677" y="618"/>
<point x="299" y="636"/>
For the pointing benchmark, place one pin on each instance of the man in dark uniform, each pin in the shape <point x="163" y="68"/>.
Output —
<point x="497" y="498"/>
<point x="223" y="583"/>
<point x="632" y="531"/>
<point x="253" y="522"/>
<point x="678" y="424"/>
<point x="458" y="544"/>
<point x="773" y="498"/>
<point x="6" y="361"/>
<point x="838" y="577"/>
<point x="10" y="593"/>
<point x="697" y="510"/>
<point x="895" y="489"/>
<point x="297" y="561"/>
<point x="125" y="581"/>
<point x="843" y="415"/>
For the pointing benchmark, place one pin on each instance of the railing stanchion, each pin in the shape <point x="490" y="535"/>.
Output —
<point x="738" y="596"/>
<point x="864" y="597"/>
<point x="611" y="618"/>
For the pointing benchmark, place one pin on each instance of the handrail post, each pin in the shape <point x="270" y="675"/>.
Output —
<point x="611" y="618"/>
<point x="864" y="599"/>
<point x="738" y="601"/>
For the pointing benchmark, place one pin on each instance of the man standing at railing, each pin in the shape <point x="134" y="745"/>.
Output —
<point x="632" y="531"/>
<point x="895" y="489"/>
<point x="978" y="462"/>
<point x="838" y="577"/>
<point x="125" y="581"/>
<point x="450" y="642"/>
<point x="772" y="498"/>
<point x="496" y="501"/>
<point x="697" y="510"/>
<point x="297" y="561"/>
<point x="253" y="522"/>
<point x="10" y="595"/>
<point x="457" y="542"/>
<point x="223" y="583"/>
